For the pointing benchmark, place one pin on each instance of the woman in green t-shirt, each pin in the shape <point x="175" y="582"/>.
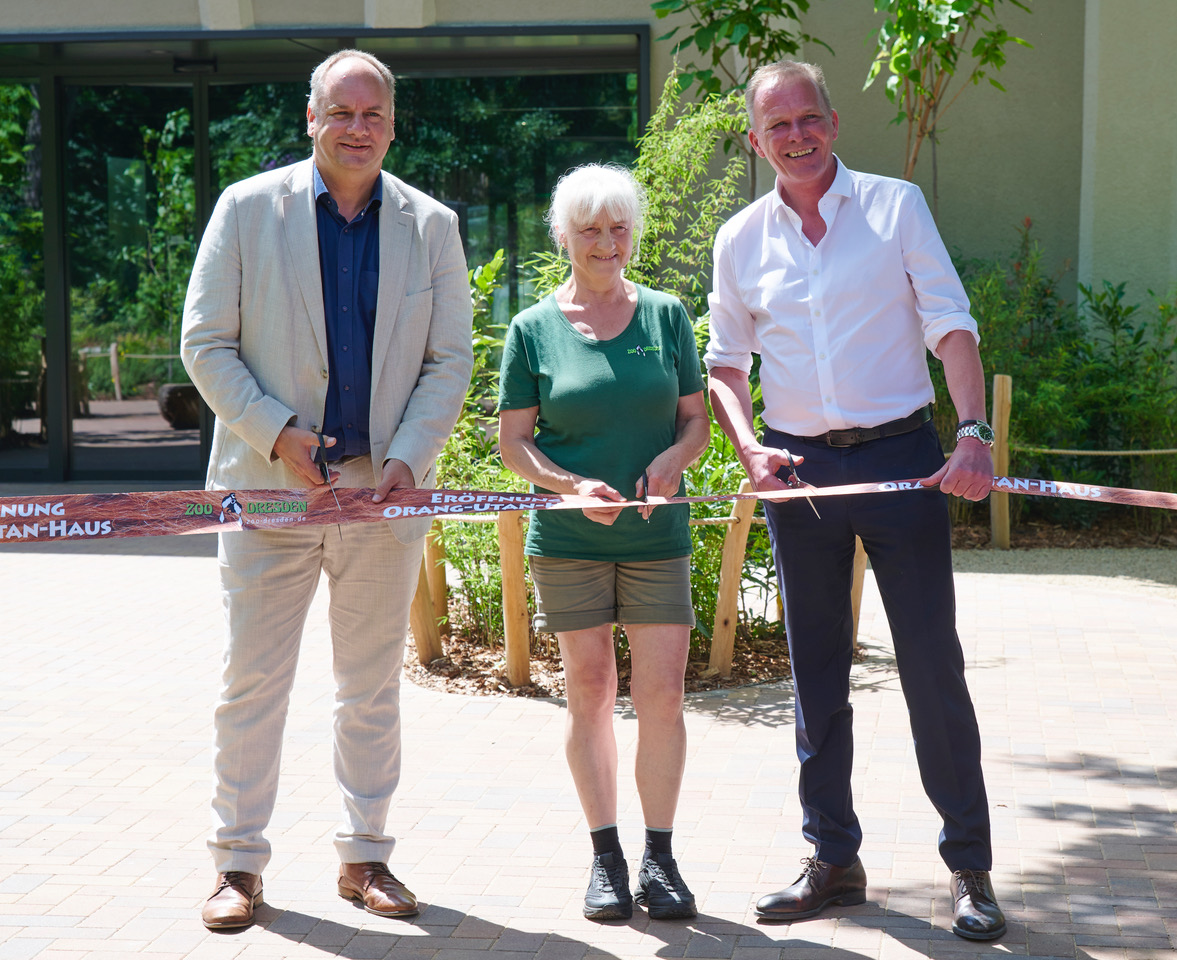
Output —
<point x="601" y="393"/>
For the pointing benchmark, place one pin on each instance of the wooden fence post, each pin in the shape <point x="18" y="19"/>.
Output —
<point x="731" y="568"/>
<point x="1003" y="389"/>
<point x="435" y="575"/>
<point x="114" y="371"/>
<point x="517" y="636"/>
<point x="423" y="623"/>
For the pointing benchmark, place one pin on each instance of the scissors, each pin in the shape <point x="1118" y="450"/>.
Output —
<point x="792" y="480"/>
<point x="326" y="473"/>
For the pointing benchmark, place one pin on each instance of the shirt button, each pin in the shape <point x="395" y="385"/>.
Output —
<point x="344" y="309"/>
<point x="345" y="349"/>
<point x="821" y="356"/>
<point x="826" y="400"/>
<point x="346" y="388"/>
<point x="816" y="313"/>
<point x="345" y="270"/>
<point x="324" y="373"/>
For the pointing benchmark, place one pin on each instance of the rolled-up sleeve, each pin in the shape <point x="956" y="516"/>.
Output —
<point x="941" y="301"/>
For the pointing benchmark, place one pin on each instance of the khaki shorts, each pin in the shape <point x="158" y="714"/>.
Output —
<point x="579" y="594"/>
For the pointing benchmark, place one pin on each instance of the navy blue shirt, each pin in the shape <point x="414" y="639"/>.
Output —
<point x="349" y="264"/>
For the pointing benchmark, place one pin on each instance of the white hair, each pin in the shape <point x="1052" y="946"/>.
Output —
<point x="319" y="78"/>
<point x="584" y="193"/>
<point x="770" y="73"/>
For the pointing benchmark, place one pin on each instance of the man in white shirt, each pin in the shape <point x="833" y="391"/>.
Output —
<point x="839" y="280"/>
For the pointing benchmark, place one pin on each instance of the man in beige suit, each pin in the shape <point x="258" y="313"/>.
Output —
<point x="328" y="309"/>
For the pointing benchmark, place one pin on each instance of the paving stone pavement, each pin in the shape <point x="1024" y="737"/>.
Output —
<point x="111" y="657"/>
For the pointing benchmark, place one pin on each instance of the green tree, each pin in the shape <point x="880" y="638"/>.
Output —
<point x="921" y="44"/>
<point x="734" y="39"/>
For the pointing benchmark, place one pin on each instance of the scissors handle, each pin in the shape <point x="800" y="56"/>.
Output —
<point x="325" y="471"/>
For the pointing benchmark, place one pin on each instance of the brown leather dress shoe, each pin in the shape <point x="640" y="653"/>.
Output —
<point x="378" y="890"/>
<point x="232" y="902"/>
<point x="820" y="885"/>
<point x="975" y="913"/>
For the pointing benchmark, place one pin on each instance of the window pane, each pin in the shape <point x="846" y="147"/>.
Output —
<point x="493" y="147"/>
<point x="23" y="421"/>
<point x="130" y="202"/>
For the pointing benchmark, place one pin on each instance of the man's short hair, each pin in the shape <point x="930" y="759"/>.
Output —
<point x="583" y="193"/>
<point x="319" y="78"/>
<point x="772" y="72"/>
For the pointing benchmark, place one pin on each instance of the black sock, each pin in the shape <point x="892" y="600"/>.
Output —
<point x="657" y="841"/>
<point x="606" y="840"/>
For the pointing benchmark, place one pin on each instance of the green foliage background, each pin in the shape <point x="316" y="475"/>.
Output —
<point x="1098" y="375"/>
<point x="22" y="273"/>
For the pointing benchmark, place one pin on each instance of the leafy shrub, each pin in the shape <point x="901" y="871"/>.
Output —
<point x="1098" y="376"/>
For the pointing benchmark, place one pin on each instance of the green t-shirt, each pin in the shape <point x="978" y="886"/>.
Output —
<point x="606" y="410"/>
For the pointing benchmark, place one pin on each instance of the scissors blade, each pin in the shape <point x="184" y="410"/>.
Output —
<point x="795" y="481"/>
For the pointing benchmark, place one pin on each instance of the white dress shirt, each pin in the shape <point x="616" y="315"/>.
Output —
<point x="840" y="327"/>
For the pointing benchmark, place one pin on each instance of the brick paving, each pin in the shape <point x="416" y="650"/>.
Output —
<point x="111" y="658"/>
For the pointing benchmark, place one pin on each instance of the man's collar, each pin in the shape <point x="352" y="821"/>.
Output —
<point x="841" y="185"/>
<point x="839" y="188"/>
<point x="377" y="196"/>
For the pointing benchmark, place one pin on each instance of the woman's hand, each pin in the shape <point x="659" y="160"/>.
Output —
<point x="692" y="431"/>
<point x="664" y="475"/>
<point x="602" y="491"/>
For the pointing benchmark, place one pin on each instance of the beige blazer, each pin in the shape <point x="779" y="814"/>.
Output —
<point x="254" y="336"/>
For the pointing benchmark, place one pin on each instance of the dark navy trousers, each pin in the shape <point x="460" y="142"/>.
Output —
<point x="907" y="538"/>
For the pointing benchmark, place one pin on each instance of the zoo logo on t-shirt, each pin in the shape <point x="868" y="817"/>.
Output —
<point x="642" y="351"/>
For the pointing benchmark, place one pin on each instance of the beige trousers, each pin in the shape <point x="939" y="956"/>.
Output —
<point x="268" y="579"/>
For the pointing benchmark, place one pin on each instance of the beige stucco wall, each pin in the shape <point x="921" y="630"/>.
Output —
<point x="38" y="15"/>
<point x="307" y="13"/>
<point x="1001" y="156"/>
<point x="1128" y="213"/>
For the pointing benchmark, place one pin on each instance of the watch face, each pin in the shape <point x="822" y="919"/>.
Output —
<point x="984" y="432"/>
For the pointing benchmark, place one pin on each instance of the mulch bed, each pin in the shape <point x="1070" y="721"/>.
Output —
<point x="478" y="670"/>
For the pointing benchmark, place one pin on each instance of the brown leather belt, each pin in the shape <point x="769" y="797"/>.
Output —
<point x="853" y="436"/>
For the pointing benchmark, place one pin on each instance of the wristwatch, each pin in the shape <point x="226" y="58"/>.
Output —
<point x="977" y="429"/>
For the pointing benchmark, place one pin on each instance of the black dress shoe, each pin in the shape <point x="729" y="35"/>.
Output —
<point x="820" y="885"/>
<point x="975" y="915"/>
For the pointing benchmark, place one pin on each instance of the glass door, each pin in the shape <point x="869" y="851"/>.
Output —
<point x="131" y="241"/>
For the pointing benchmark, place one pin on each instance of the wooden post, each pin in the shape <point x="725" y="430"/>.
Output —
<point x="1003" y="389"/>
<point x="435" y="575"/>
<point x="423" y="623"/>
<point x="515" y="625"/>
<point x="856" y="586"/>
<point x="114" y="371"/>
<point x="731" y="568"/>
